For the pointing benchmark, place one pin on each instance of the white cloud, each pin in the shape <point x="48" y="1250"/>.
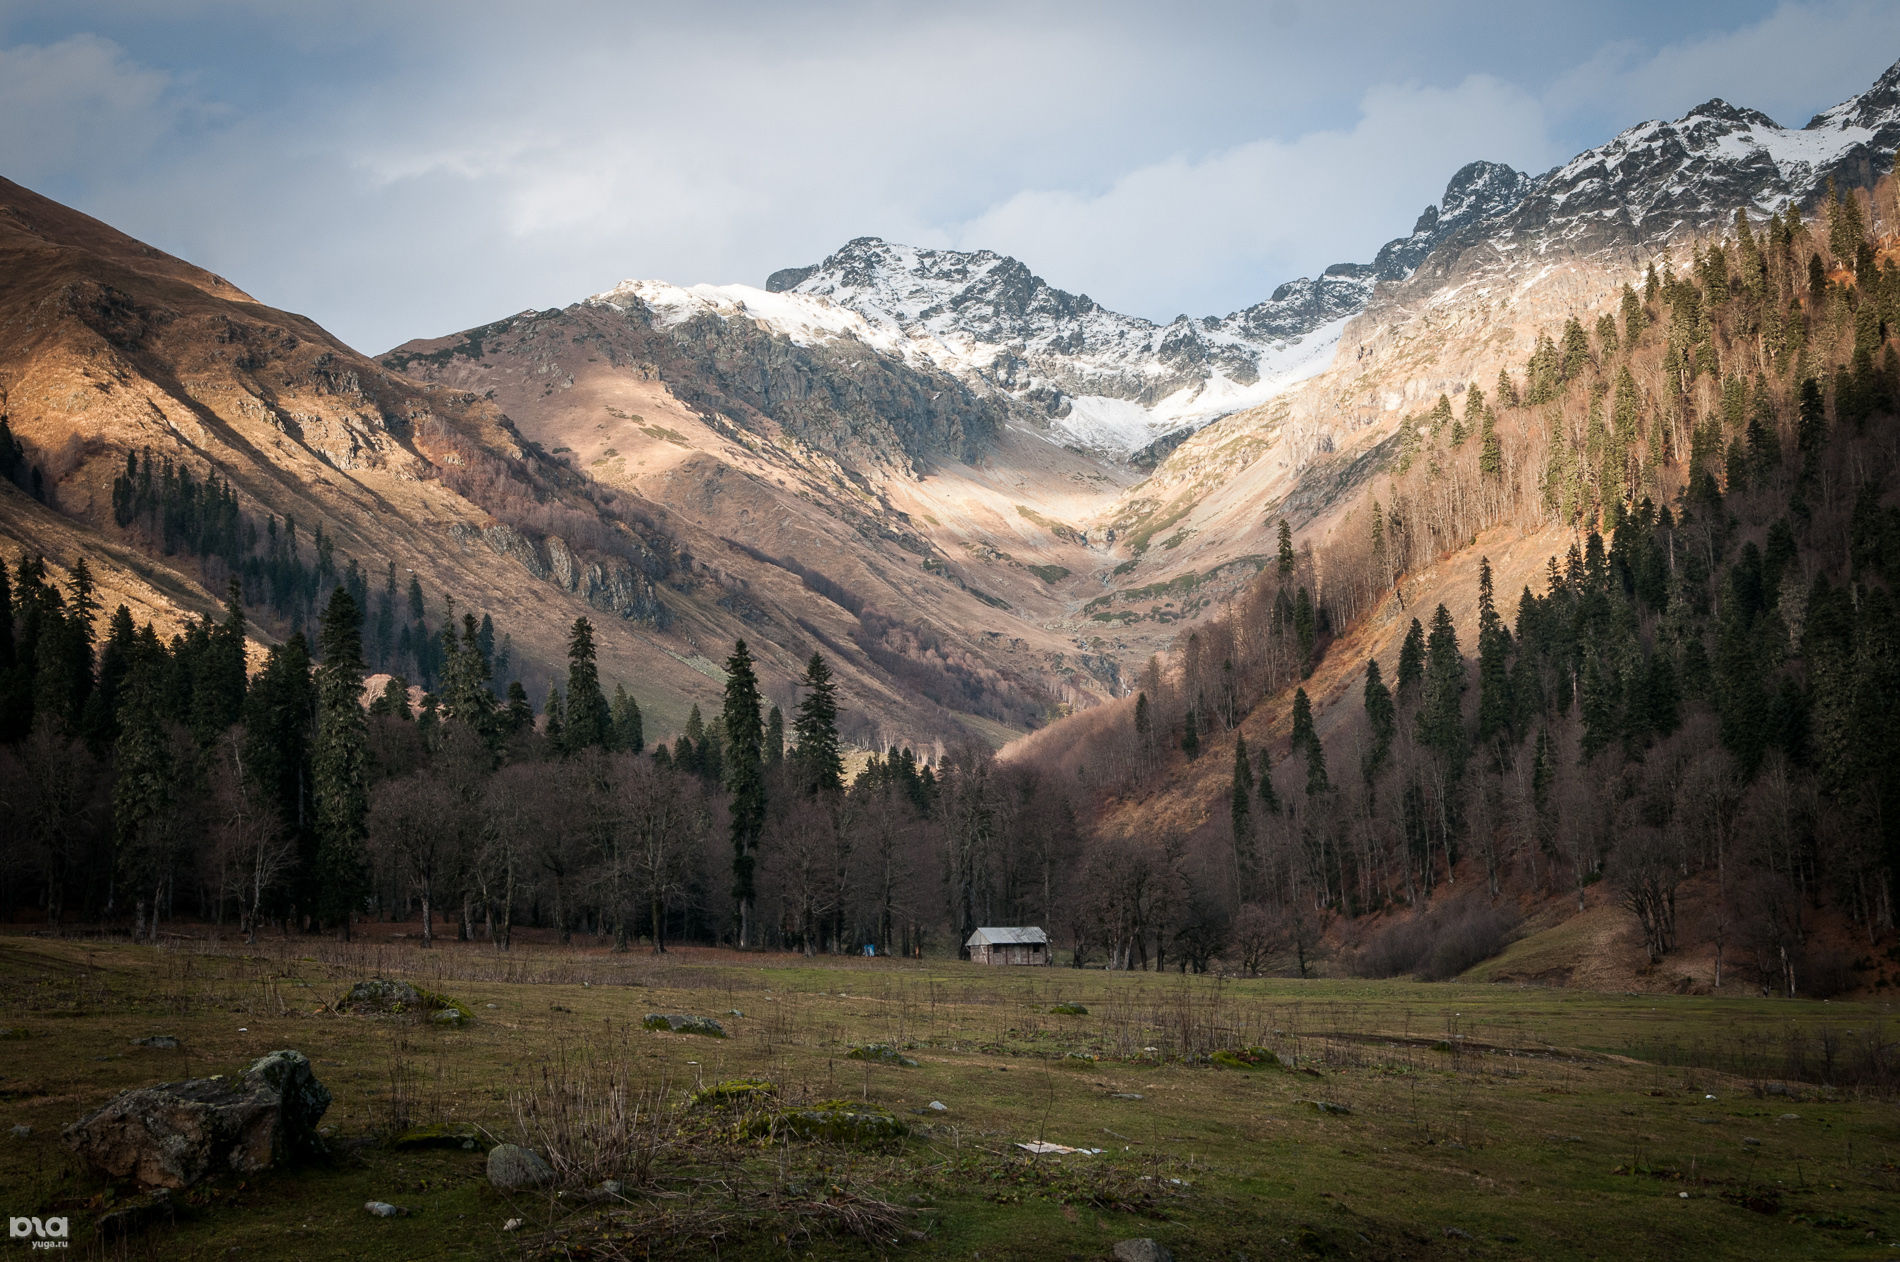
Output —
<point x="75" y="104"/>
<point x="1175" y="231"/>
<point x="1797" y="60"/>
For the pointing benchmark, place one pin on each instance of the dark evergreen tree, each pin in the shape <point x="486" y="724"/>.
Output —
<point x="745" y="777"/>
<point x="1381" y="720"/>
<point x="339" y="765"/>
<point x="819" y="757"/>
<point x="774" y="737"/>
<point x="1411" y="661"/>
<point x="588" y="722"/>
<point x="629" y="726"/>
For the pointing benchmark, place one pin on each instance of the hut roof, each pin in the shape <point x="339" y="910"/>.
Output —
<point x="1028" y="935"/>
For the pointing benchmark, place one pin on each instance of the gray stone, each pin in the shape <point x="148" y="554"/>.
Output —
<point x="1143" y="1249"/>
<point x="512" y="1168"/>
<point x="21" y="1132"/>
<point x="175" y="1134"/>
<point x="381" y="995"/>
<point x="681" y="1023"/>
<point x="938" y="1106"/>
<point x="163" y="1042"/>
<point x="383" y="1209"/>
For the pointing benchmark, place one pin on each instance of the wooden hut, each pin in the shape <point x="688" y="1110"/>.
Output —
<point x="1023" y="945"/>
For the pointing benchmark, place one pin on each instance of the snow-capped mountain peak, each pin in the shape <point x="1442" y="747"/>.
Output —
<point x="1111" y="381"/>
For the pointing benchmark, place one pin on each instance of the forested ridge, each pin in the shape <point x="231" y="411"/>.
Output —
<point x="1694" y="696"/>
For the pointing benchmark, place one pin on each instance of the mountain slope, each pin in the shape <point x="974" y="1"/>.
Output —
<point x="109" y="348"/>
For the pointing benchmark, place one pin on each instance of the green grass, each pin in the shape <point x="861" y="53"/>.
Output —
<point x="1537" y="1122"/>
<point x="1049" y="573"/>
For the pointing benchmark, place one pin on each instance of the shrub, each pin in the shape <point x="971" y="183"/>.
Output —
<point x="1439" y="944"/>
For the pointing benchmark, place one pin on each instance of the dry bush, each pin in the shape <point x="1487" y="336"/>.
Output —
<point x="1439" y="944"/>
<point x="587" y="1110"/>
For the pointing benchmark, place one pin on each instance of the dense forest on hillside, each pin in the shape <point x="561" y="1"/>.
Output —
<point x="1696" y="696"/>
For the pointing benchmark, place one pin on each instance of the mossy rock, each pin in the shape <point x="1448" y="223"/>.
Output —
<point x="380" y="996"/>
<point x="1069" y="1010"/>
<point x="881" y="1054"/>
<point x="831" y="1122"/>
<point x="1079" y="1060"/>
<point x="682" y="1023"/>
<point x="733" y="1092"/>
<point x="441" y="1135"/>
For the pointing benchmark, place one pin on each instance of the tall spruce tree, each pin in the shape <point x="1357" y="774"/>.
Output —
<point x="820" y="759"/>
<point x="745" y="780"/>
<point x="1441" y="726"/>
<point x="629" y="725"/>
<point x="339" y="764"/>
<point x="1381" y="720"/>
<point x="588" y="723"/>
<point x="1494" y="672"/>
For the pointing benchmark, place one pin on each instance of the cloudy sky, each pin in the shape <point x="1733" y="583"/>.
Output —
<point x="408" y="169"/>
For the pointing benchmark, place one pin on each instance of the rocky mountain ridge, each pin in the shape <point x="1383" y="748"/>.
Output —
<point x="1109" y="381"/>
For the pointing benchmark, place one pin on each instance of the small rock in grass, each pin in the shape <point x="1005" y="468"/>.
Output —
<point x="383" y="1209"/>
<point x="512" y="1167"/>
<point x="938" y="1106"/>
<point x="513" y="1224"/>
<point x="1327" y="1106"/>
<point x="1457" y="1233"/>
<point x="882" y="1054"/>
<point x="1127" y="1095"/>
<point x="163" y="1042"/>
<point x="21" y="1132"/>
<point x="609" y="1187"/>
<point x="1142" y="1250"/>
<point x="1790" y="1117"/>
<point x="494" y="1005"/>
<point x="681" y="1023"/>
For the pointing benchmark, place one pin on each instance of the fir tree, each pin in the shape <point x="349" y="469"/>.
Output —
<point x="1381" y="720"/>
<point x="588" y="723"/>
<point x="1240" y="805"/>
<point x="1286" y="550"/>
<point x="144" y="823"/>
<point x="1440" y="716"/>
<point x="1263" y="771"/>
<point x="1191" y="736"/>
<point x="339" y="764"/>
<point x="518" y="714"/>
<point x="1412" y="660"/>
<point x="819" y="757"/>
<point x="1494" y="679"/>
<point x="554" y="725"/>
<point x="745" y="778"/>
<point x="774" y="737"/>
<point x="1303" y="732"/>
<point x="629" y="727"/>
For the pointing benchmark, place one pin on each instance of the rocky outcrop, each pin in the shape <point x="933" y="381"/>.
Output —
<point x="176" y="1134"/>
<point x="610" y="584"/>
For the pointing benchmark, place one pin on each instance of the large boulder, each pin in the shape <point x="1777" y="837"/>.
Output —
<point x="177" y="1133"/>
<point x="512" y="1168"/>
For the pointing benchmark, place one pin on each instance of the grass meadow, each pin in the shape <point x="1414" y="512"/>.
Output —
<point x="1235" y="1118"/>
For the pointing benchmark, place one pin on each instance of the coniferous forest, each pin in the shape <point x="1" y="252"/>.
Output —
<point x="1693" y="698"/>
